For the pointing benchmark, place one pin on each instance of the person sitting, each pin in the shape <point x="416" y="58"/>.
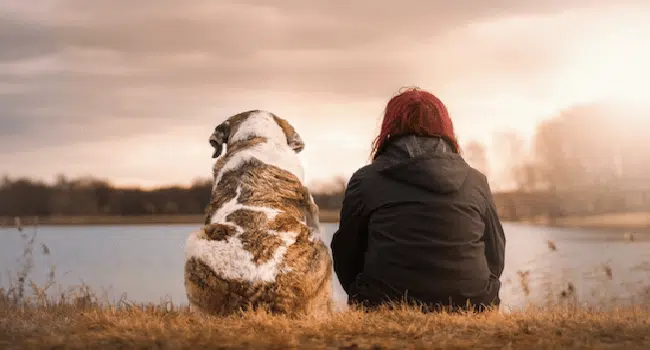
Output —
<point x="418" y="224"/>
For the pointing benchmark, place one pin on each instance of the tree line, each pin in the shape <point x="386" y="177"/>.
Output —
<point x="89" y="196"/>
<point x="587" y="159"/>
<point x="584" y="160"/>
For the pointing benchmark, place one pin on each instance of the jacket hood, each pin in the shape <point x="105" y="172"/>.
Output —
<point x="426" y="162"/>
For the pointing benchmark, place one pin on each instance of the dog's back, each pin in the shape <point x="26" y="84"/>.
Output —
<point x="256" y="249"/>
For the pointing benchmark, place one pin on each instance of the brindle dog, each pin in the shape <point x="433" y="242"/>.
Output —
<point x="260" y="246"/>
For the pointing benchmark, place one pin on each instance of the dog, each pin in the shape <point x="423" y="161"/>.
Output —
<point x="260" y="246"/>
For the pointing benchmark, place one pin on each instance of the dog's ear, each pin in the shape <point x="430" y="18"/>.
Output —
<point x="295" y="142"/>
<point x="293" y="138"/>
<point x="219" y="137"/>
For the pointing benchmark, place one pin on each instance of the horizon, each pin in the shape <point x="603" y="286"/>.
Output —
<point x="131" y="94"/>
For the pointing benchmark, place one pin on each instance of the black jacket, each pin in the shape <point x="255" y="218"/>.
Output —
<point x="419" y="222"/>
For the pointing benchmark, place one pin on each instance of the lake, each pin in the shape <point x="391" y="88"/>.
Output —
<point x="145" y="263"/>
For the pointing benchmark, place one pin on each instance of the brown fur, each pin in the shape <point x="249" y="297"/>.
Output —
<point x="261" y="185"/>
<point x="306" y="286"/>
<point x="255" y="238"/>
<point x="305" y="290"/>
<point x="267" y="186"/>
<point x="226" y="195"/>
<point x="219" y="232"/>
<point x="287" y="128"/>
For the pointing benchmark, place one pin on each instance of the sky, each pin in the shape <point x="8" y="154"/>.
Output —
<point x="131" y="93"/>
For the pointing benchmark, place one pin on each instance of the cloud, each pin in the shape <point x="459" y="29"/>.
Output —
<point x="78" y="71"/>
<point x="238" y="28"/>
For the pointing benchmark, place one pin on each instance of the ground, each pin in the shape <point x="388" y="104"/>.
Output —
<point x="161" y="327"/>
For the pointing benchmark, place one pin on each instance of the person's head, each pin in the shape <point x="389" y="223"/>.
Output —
<point x="415" y="112"/>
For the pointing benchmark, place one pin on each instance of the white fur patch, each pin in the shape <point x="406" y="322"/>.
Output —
<point x="260" y="123"/>
<point x="219" y="217"/>
<point x="228" y="258"/>
<point x="274" y="152"/>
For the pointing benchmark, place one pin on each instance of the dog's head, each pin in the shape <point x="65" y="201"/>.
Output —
<point x="252" y="124"/>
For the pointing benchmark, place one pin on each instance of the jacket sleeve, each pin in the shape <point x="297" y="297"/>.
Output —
<point x="495" y="239"/>
<point x="350" y="241"/>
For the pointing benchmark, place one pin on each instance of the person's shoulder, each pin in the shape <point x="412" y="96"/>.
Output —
<point x="477" y="175"/>
<point x="360" y="180"/>
<point x="362" y="172"/>
<point x="479" y="181"/>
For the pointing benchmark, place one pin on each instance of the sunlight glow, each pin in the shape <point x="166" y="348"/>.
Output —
<point x="611" y="66"/>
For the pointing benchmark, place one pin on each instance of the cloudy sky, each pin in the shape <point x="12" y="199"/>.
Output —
<point x="131" y="93"/>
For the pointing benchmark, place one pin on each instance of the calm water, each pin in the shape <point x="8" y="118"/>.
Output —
<point x="146" y="262"/>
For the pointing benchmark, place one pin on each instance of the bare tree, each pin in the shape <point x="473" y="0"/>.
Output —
<point x="511" y="148"/>
<point x="521" y="168"/>
<point x="476" y="156"/>
<point x="581" y="147"/>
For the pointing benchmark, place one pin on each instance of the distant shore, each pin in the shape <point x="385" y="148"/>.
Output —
<point x="326" y="216"/>
<point x="616" y="221"/>
<point x="637" y="221"/>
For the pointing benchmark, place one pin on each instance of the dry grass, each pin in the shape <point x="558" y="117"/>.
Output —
<point x="79" y="319"/>
<point x="77" y="327"/>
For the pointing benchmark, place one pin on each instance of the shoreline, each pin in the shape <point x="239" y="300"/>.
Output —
<point x="632" y="221"/>
<point x="637" y="221"/>
<point x="326" y="216"/>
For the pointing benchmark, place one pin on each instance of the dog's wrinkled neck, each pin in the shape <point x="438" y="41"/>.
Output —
<point x="234" y="147"/>
<point x="269" y="153"/>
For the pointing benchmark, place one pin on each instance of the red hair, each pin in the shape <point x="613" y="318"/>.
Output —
<point x="415" y="112"/>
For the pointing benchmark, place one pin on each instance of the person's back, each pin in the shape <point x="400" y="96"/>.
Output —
<point x="419" y="223"/>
